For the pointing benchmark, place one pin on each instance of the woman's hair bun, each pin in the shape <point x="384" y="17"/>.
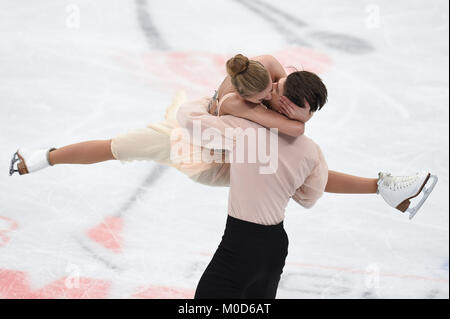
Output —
<point x="236" y="65"/>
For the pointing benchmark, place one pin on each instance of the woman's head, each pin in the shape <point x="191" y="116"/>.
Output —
<point x="250" y="78"/>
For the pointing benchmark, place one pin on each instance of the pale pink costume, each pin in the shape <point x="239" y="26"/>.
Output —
<point x="301" y="175"/>
<point x="155" y="141"/>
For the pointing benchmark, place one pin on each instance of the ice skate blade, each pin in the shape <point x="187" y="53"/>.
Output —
<point x="426" y="192"/>
<point x="14" y="160"/>
<point x="21" y="167"/>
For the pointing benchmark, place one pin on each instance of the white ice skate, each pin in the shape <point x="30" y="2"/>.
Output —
<point x="398" y="191"/>
<point x="30" y="160"/>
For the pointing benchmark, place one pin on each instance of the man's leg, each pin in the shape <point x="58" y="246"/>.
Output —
<point x="275" y="253"/>
<point x="220" y="279"/>
<point x="263" y="289"/>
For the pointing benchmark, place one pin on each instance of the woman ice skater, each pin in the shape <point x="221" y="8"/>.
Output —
<point x="256" y="89"/>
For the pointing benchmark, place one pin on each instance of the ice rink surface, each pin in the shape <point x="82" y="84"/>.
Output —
<point x="81" y="70"/>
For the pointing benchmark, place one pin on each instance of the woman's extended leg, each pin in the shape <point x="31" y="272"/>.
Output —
<point x="82" y="153"/>
<point x="31" y="160"/>
<point x="348" y="184"/>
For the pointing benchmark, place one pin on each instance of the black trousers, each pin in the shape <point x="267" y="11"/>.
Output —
<point x="248" y="263"/>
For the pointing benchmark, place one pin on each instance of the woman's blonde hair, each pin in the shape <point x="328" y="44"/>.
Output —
<point x="248" y="77"/>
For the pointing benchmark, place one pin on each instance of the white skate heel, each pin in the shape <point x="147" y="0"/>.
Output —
<point x="30" y="160"/>
<point x="398" y="191"/>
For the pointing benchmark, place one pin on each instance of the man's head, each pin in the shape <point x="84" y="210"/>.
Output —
<point x="300" y="87"/>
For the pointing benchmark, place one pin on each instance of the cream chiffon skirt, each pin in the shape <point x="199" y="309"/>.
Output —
<point x="154" y="143"/>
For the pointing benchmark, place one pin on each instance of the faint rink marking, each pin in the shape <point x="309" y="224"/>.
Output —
<point x="287" y="16"/>
<point x="346" y="120"/>
<point x="336" y="286"/>
<point x="7" y="226"/>
<point x="202" y="71"/>
<point x="163" y="292"/>
<point x="112" y="239"/>
<point x="389" y="99"/>
<point x="362" y="248"/>
<point x="278" y="18"/>
<point x="152" y="34"/>
<point x="195" y="269"/>
<point x="98" y="64"/>
<point x="34" y="198"/>
<point x="356" y="271"/>
<point x="282" y="29"/>
<point x="348" y="270"/>
<point x="155" y="174"/>
<point x="404" y="221"/>
<point x="342" y="42"/>
<point x="97" y="257"/>
<point x="332" y="285"/>
<point x="161" y="68"/>
<point x="108" y="233"/>
<point x="16" y="285"/>
<point x="390" y="39"/>
<point x="93" y="117"/>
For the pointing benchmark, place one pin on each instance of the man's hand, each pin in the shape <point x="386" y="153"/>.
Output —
<point x="293" y="111"/>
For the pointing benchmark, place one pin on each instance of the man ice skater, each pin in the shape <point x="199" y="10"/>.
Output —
<point x="250" y="258"/>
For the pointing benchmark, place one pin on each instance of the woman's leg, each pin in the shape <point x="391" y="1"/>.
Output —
<point x="348" y="184"/>
<point x="82" y="153"/>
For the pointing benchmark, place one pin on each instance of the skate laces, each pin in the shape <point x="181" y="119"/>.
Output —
<point x="395" y="183"/>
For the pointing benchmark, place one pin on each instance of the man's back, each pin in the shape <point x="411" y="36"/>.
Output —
<point x="266" y="173"/>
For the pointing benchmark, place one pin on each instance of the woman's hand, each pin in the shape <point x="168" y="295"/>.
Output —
<point x="293" y="111"/>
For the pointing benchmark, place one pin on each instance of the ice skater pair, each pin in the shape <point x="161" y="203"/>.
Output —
<point x="251" y="256"/>
<point x="256" y="89"/>
<point x="257" y="93"/>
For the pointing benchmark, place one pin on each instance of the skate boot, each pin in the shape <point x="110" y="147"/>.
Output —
<point x="398" y="191"/>
<point x="30" y="160"/>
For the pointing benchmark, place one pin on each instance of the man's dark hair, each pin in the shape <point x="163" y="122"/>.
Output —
<point x="303" y="85"/>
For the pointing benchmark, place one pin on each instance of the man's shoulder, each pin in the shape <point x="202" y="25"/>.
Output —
<point x="308" y="141"/>
<point x="307" y="147"/>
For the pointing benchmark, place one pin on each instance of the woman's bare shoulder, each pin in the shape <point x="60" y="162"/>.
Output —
<point x="272" y="65"/>
<point x="266" y="59"/>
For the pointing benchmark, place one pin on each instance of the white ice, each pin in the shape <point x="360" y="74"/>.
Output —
<point x="80" y="70"/>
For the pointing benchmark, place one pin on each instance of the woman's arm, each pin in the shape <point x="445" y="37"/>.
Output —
<point x="295" y="112"/>
<point x="265" y="117"/>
